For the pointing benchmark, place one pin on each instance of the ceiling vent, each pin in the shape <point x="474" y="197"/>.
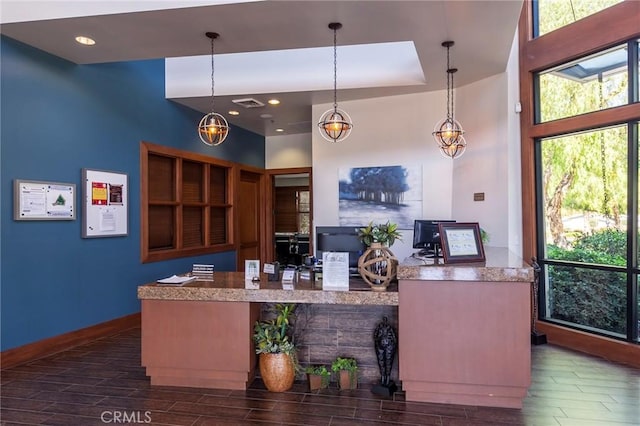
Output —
<point x="248" y="103"/>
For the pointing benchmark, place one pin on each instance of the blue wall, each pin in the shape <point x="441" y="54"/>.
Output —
<point x="57" y="118"/>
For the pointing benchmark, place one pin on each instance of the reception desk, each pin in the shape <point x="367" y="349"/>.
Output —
<point x="200" y="334"/>
<point x="463" y="330"/>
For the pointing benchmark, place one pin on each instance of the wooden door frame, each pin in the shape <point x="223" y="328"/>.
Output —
<point x="262" y="213"/>
<point x="269" y="206"/>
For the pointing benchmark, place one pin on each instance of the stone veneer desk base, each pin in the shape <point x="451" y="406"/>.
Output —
<point x="464" y="332"/>
<point x="200" y="334"/>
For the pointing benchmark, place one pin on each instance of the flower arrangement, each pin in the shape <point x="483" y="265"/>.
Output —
<point x="384" y="233"/>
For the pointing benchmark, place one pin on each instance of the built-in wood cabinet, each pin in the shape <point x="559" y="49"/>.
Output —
<point x="186" y="203"/>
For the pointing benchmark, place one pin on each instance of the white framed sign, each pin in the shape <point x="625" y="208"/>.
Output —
<point x="104" y="207"/>
<point x="37" y="200"/>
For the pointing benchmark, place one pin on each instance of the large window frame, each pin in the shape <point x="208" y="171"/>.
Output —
<point x="186" y="199"/>
<point x="564" y="45"/>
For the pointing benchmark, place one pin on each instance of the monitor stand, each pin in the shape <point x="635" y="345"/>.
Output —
<point x="435" y="253"/>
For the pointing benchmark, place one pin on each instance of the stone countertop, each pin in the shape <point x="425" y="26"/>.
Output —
<point x="500" y="265"/>
<point x="232" y="287"/>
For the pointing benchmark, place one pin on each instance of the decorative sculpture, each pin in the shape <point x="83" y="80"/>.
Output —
<point x="386" y="344"/>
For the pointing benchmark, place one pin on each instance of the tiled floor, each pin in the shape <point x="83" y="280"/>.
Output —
<point x="102" y="383"/>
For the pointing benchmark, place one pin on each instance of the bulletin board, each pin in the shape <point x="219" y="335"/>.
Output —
<point x="105" y="204"/>
<point x="37" y="200"/>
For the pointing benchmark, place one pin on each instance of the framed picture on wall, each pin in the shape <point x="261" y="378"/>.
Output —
<point x="37" y="200"/>
<point x="461" y="242"/>
<point x="105" y="204"/>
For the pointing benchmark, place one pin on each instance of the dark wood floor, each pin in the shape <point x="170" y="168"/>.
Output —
<point x="102" y="383"/>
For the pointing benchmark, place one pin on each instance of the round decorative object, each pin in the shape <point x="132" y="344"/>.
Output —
<point x="335" y="125"/>
<point x="277" y="371"/>
<point x="378" y="266"/>
<point x="213" y="129"/>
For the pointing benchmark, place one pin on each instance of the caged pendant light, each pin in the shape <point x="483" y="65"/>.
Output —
<point x="449" y="133"/>
<point x="335" y="125"/>
<point x="213" y="128"/>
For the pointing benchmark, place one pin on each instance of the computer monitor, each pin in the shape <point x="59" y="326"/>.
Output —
<point x="342" y="239"/>
<point x="426" y="236"/>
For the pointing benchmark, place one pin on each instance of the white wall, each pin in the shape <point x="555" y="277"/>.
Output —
<point x="387" y="131"/>
<point x="491" y="163"/>
<point x="481" y="109"/>
<point x="397" y="130"/>
<point x="515" y="168"/>
<point x="287" y="151"/>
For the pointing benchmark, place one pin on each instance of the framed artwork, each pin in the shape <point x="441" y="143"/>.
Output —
<point x="380" y="194"/>
<point x="36" y="200"/>
<point x="461" y="242"/>
<point x="105" y="204"/>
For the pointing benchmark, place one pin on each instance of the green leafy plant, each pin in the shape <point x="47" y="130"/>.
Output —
<point x="318" y="370"/>
<point x="346" y="370"/>
<point x="348" y="364"/>
<point x="274" y="335"/>
<point x="384" y="233"/>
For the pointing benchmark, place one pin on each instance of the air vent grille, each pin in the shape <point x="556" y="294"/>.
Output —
<point x="248" y="103"/>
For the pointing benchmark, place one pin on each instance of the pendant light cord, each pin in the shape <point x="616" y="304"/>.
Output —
<point x="335" y="69"/>
<point x="449" y="85"/>
<point x="212" y="76"/>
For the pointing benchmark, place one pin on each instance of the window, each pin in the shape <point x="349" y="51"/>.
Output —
<point x="584" y="191"/>
<point x="593" y="83"/>
<point x="185" y="204"/>
<point x="580" y="138"/>
<point x="554" y="14"/>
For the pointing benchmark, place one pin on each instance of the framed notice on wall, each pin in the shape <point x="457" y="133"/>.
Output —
<point x="36" y="200"/>
<point x="105" y="205"/>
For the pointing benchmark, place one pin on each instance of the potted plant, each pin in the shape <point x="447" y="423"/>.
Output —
<point x="347" y="371"/>
<point x="318" y="377"/>
<point x="384" y="233"/>
<point x="377" y="265"/>
<point x="276" y="349"/>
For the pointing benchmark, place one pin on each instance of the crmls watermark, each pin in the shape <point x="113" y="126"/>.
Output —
<point x="128" y="417"/>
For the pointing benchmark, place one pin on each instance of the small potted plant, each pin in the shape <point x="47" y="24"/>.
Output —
<point x="384" y="233"/>
<point x="318" y="377"/>
<point x="276" y="349"/>
<point x="347" y="371"/>
<point x="378" y="265"/>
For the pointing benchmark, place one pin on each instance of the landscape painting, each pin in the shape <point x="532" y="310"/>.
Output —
<point x="380" y="194"/>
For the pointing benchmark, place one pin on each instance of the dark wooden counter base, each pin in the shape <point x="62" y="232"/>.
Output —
<point x="465" y="342"/>
<point x="199" y="344"/>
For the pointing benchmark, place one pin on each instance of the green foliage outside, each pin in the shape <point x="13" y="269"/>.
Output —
<point x="588" y="296"/>
<point x="558" y="13"/>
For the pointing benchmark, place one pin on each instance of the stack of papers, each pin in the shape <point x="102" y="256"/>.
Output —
<point x="176" y="280"/>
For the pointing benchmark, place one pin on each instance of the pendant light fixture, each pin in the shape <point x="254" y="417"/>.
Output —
<point x="335" y="125"/>
<point x="213" y="128"/>
<point x="449" y="133"/>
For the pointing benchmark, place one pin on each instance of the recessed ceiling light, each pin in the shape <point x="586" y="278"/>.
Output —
<point x="279" y="130"/>
<point x="273" y="101"/>
<point x="87" y="41"/>
<point x="234" y="112"/>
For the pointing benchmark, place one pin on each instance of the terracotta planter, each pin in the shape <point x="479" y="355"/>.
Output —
<point x="277" y="371"/>
<point x="347" y="379"/>
<point x="316" y="381"/>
